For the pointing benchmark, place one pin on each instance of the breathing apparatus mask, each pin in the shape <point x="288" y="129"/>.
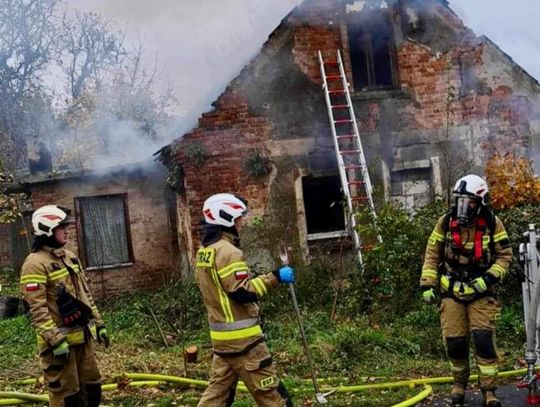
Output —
<point x="467" y="207"/>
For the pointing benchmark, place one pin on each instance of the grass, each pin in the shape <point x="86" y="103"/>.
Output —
<point x="354" y="349"/>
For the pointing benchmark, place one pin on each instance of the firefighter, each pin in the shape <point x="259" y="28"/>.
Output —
<point x="467" y="255"/>
<point x="231" y="297"/>
<point x="62" y="312"/>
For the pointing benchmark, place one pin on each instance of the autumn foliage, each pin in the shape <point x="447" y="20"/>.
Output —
<point x="512" y="181"/>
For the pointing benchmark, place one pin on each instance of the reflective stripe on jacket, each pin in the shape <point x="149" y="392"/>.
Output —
<point x="41" y="273"/>
<point x="222" y="275"/>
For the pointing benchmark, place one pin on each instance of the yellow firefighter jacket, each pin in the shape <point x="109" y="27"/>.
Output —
<point x="231" y="296"/>
<point x="41" y="273"/>
<point x="454" y="265"/>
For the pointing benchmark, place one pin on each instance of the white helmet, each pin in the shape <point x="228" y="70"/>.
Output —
<point x="469" y="188"/>
<point x="48" y="217"/>
<point x="474" y="186"/>
<point x="223" y="209"/>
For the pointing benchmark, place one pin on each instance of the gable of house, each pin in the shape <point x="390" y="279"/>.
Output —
<point x="432" y="102"/>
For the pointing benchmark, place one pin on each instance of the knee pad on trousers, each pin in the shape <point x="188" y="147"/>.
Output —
<point x="93" y="394"/>
<point x="282" y="390"/>
<point x="73" y="401"/>
<point x="483" y="342"/>
<point x="457" y="347"/>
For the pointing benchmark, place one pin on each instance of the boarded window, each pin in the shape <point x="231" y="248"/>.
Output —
<point x="372" y="52"/>
<point x="323" y="207"/>
<point x="21" y="240"/>
<point x="105" y="237"/>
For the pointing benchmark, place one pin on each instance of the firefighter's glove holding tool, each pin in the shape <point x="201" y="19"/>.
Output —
<point x="285" y="274"/>
<point x="61" y="350"/>
<point x="103" y="336"/>
<point x="428" y="295"/>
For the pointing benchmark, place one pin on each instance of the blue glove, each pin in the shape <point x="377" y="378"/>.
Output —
<point x="285" y="274"/>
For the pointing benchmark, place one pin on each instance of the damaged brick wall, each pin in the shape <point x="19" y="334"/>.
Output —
<point x="155" y="263"/>
<point x="454" y="99"/>
<point x="226" y="137"/>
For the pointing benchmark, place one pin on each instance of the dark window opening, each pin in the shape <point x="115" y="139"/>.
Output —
<point x="323" y="204"/>
<point x="104" y="234"/>
<point x="372" y="53"/>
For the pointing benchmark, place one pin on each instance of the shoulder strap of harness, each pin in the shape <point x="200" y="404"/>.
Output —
<point x="486" y="220"/>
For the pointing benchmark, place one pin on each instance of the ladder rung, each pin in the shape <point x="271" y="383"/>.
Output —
<point x="345" y="136"/>
<point x="349" y="151"/>
<point x="353" y="167"/>
<point x="333" y="78"/>
<point x="331" y="63"/>
<point x="340" y="106"/>
<point x="358" y="198"/>
<point x="355" y="182"/>
<point x="336" y="91"/>
<point x="343" y="121"/>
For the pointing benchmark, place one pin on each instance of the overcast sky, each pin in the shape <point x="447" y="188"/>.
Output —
<point x="201" y="45"/>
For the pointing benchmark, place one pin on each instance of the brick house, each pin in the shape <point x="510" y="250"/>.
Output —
<point x="126" y="234"/>
<point x="432" y="102"/>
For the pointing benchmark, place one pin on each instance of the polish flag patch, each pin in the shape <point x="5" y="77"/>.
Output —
<point x="241" y="275"/>
<point x="32" y="287"/>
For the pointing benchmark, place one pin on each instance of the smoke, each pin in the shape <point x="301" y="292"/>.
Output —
<point x="195" y="49"/>
<point x="200" y="46"/>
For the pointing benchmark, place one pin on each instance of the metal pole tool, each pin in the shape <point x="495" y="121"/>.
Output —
<point x="319" y="396"/>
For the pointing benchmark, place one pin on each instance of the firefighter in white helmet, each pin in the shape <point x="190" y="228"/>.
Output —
<point x="467" y="255"/>
<point x="62" y="312"/>
<point x="231" y="295"/>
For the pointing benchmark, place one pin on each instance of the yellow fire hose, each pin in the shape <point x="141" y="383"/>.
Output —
<point x="424" y="394"/>
<point x="143" y="379"/>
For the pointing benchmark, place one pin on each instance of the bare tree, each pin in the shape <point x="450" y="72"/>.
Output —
<point x="27" y="33"/>
<point x="92" y="51"/>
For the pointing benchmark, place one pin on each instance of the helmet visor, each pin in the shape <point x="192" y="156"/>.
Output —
<point x="69" y="220"/>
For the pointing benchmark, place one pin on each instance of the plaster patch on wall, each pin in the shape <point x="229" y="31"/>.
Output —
<point x="356" y="6"/>
<point x="290" y="147"/>
<point x="359" y="5"/>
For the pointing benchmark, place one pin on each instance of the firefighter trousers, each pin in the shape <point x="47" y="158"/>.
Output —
<point x="256" y="369"/>
<point x="460" y="321"/>
<point x="75" y="381"/>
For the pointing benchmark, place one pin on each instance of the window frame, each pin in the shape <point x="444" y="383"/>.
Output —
<point x="368" y="29"/>
<point x="81" y="237"/>
<point x="333" y="234"/>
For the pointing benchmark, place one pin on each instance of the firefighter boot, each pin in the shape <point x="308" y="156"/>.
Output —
<point x="490" y="399"/>
<point x="458" y="394"/>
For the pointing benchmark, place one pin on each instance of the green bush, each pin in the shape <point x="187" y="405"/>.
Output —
<point x="391" y="271"/>
<point x="10" y="282"/>
<point x="178" y="306"/>
<point x="257" y="164"/>
<point x="17" y="341"/>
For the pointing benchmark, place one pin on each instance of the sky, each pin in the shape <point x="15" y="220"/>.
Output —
<point x="200" y="45"/>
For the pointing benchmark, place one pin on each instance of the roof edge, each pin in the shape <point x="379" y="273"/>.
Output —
<point x="486" y="39"/>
